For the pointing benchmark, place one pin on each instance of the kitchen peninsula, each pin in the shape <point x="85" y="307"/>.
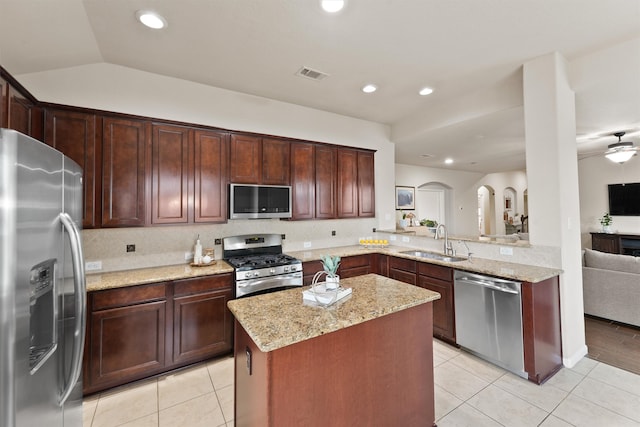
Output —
<point x="348" y="364"/>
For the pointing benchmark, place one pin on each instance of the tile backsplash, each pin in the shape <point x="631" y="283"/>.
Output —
<point x="167" y="245"/>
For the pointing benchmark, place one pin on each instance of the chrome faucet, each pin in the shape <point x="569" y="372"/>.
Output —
<point x="447" y="249"/>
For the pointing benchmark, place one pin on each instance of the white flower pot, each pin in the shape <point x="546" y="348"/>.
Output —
<point x="333" y="282"/>
<point x="606" y="228"/>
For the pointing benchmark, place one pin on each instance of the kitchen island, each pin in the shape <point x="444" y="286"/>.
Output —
<point x="366" y="360"/>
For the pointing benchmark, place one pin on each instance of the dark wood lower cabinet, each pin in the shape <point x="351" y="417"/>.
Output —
<point x="440" y="279"/>
<point x="201" y="320"/>
<point x="403" y="269"/>
<point x="139" y="331"/>
<point x="541" y="329"/>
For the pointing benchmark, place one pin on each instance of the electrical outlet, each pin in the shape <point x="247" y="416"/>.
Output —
<point x="392" y="237"/>
<point x="93" y="265"/>
<point x="333" y="232"/>
<point x="131" y="248"/>
<point x="505" y="250"/>
<point x="406" y="239"/>
<point x="283" y="236"/>
<point x="374" y="229"/>
<point x="218" y="241"/>
<point x="307" y="244"/>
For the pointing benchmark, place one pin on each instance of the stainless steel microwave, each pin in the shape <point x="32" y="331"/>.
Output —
<point x="248" y="201"/>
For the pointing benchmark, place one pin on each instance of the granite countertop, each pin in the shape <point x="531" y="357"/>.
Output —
<point x="118" y="279"/>
<point x="508" y="270"/>
<point x="279" y="319"/>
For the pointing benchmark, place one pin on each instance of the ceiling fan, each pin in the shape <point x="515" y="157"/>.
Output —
<point x="618" y="152"/>
<point x="621" y="151"/>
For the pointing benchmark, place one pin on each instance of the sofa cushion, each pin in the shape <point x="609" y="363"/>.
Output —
<point x="606" y="261"/>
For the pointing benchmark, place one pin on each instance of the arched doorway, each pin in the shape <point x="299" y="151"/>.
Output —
<point x="486" y="210"/>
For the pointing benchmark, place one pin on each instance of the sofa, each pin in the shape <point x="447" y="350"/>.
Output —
<point x="611" y="286"/>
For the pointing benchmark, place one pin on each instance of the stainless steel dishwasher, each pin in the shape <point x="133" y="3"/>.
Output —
<point x="488" y="314"/>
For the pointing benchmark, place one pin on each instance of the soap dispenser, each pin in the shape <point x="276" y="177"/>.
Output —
<point x="197" y="252"/>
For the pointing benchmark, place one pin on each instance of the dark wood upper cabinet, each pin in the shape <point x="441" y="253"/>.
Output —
<point x="366" y="185"/>
<point x="4" y="107"/>
<point x="303" y="180"/>
<point x="123" y="172"/>
<point x="169" y="174"/>
<point x="20" y="111"/>
<point x="245" y="159"/>
<point x="276" y="162"/>
<point x="347" y="183"/>
<point x="74" y="134"/>
<point x="211" y="157"/>
<point x="326" y="165"/>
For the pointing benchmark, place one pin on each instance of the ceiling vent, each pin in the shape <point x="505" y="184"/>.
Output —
<point x="312" y="74"/>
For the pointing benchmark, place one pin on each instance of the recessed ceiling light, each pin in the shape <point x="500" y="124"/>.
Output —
<point x="151" y="19"/>
<point x="332" y="6"/>
<point x="425" y="91"/>
<point x="448" y="161"/>
<point x="369" y="88"/>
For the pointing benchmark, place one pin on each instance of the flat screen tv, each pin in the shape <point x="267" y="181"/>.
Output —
<point x="624" y="199"/>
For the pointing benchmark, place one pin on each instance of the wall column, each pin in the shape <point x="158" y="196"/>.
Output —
<point x="552" y="173"/>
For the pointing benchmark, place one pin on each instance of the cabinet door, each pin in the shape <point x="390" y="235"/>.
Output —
<point x="443" y="308"/>
<point x="302" y="180"/>
<point x="347" y="183"/>
<point x="19" y="115"/>
<point x="245" y="166"/>
<point x="126" y="335"/>
<point x="202" y="323"/>
<point x="366" y="187"/>
<point x="276" y="167"/>
<point x="4" y="107"/>
<point x="325" y="162"/>
<point x="123" y="172"/>
<point x="74" y="133"/>
<point x="605" y="243"/>
<point x="169" y="175"/>
<point x="127" y="343"/>
<point x="211" y="156"/>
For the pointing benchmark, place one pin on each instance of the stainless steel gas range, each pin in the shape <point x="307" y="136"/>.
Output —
<point x="260" y="266"/>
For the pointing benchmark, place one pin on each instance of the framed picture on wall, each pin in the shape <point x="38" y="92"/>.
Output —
<point x="405" y="198"/>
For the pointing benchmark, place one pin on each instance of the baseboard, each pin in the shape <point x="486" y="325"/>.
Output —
<point x="573" y="359"/>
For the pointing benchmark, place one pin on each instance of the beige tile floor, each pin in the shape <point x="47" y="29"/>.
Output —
<point x="469" y="392"/>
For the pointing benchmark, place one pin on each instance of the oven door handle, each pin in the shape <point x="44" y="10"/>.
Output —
<point x="255" y="282"/>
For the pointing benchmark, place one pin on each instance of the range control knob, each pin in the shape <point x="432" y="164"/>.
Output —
<point x="286" y="268"/>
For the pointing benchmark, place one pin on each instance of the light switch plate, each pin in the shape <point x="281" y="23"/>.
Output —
<point x="307" y="244"/>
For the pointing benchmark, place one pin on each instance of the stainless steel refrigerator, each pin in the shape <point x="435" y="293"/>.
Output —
<point x="42" y="285"/>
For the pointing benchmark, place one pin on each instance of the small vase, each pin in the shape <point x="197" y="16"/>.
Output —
<point x="404" y="223"/>
<point x="333" y="282"/>
<point x="606" y="228"/>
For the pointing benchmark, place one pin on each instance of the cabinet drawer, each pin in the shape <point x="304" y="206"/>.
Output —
<point x="355" y="261"/>
<point x="403" y="276"/>
<point x="402" y="264"/>
<point x="436" y="271"/>
<point x="126" y="296"/>
<point x="202" y="284"/>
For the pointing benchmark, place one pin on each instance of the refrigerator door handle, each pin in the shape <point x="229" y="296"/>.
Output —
<point x="80" y="304"/>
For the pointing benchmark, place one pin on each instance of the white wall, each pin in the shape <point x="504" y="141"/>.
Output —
<point x="465" y="198"/>
<point x="114" y="88"/>
<point x="595" y="174"/>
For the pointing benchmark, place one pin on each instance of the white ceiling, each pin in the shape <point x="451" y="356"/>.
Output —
<point x="469" y="51"/>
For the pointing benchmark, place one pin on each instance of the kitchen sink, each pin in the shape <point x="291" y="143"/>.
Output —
<point x="433" y="255"/>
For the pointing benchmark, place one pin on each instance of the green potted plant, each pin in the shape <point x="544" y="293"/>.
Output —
<point x="606" y="222"/>
<point x="330" y="265"/>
